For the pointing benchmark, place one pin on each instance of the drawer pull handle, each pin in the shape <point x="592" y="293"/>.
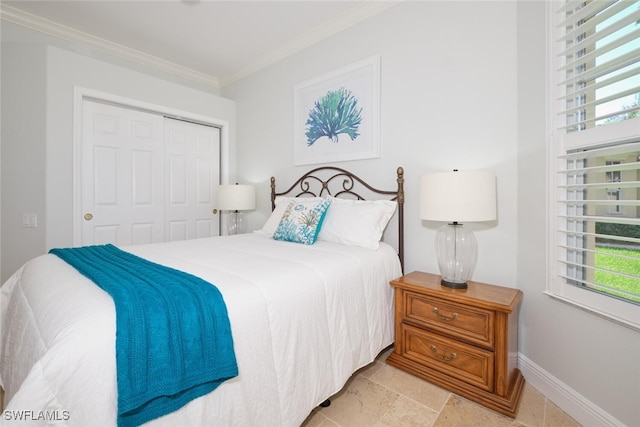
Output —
<point x="445" y="358"/>
<point x="441" y="317"/>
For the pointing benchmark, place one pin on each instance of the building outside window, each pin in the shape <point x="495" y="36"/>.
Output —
<point x="613" y="192"/>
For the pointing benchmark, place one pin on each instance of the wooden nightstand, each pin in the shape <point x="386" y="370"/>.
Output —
<point x="464" y="340"/>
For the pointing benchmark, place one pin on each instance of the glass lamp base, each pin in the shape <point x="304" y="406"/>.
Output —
<point x="237" y="223"/>
<point x="456" y="252"/>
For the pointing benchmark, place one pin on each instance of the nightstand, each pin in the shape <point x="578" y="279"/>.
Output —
<point x="464" y="340"/>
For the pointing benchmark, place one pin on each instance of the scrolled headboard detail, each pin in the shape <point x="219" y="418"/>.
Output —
<point x="336" y="182"/>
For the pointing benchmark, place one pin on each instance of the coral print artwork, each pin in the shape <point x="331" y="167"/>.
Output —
<point x="337" y="115"/>
<point x="334" y="114"/>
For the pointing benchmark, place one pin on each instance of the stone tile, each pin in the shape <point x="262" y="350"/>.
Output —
<point x="361" y="403"/>
<point x="328" y="423"/>
<point x="381" y="395"/>
<point x="315" y="419"/>
<point x="319" y="420"/>
<point x="555" y="417"/>
<point x="409" y="385"/>
<point x="531" y="409"/>
<point x="370" y="370"/>
<point x="408" y="413"/>
<point x="462" y="412"/>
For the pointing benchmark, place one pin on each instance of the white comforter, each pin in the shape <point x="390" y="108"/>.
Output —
<point x="303" y="319"/>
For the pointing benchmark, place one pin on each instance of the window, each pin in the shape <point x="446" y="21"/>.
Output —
<point x="596" y="157"/>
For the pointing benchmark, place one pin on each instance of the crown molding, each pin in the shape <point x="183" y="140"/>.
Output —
<point x="34" y="22"/>
<point x="358" y="13"/>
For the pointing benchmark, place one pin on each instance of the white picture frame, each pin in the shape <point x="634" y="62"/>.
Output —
<point x="323" y="136"/>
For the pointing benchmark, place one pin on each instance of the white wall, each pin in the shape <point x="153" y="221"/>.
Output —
<point x="463" y="86"/>
<point x="37" y="149"/>
<point x="436" y="84"/>
<point x="23" y="106"/>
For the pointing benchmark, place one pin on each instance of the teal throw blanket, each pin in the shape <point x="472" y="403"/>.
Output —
<point x="173" y="337"/>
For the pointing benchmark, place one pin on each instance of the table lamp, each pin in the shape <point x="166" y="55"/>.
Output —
<point x="457" y="197"/>
<point x="236" y="198"/>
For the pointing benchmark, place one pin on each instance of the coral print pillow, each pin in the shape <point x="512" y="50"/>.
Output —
<point x="302" y="220"/>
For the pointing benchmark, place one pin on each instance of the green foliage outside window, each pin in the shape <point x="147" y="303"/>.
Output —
<point x="613" y="229"/>
<point x="619" y="260"/>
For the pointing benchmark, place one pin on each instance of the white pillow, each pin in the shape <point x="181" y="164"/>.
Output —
<point x="356" y="222"/>
<point x="272" y="223"/>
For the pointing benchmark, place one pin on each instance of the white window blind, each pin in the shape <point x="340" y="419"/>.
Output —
<point x="601" y="239"/>
<point x="599" y="62"/>
<point x="596" y="205"/>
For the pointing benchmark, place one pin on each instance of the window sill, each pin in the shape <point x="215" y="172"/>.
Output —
<point x="620" y="321"/>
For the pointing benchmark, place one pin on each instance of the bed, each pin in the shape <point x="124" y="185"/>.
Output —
<point x="304" y="317"/>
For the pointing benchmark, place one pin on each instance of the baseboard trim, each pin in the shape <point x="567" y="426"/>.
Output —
<point x="570" y="401"/>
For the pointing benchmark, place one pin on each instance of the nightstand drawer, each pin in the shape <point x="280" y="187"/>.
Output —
<point x="468" y="323"/>
<point x="467" y="363"/>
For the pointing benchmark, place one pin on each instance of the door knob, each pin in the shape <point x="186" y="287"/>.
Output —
<point x="88" y="216"/>
<point x="215" y="211"/>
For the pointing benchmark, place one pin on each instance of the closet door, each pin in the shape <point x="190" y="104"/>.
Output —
<point x="122" y="175"/>
<point x="144" y="178"/>
<point x="192" y="174"/>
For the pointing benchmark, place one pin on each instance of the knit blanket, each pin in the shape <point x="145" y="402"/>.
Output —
<point x="173" y="337"/>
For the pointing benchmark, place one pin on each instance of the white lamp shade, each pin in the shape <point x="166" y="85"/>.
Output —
<point x="462" y="196"/>
<point x="235" y="197"/>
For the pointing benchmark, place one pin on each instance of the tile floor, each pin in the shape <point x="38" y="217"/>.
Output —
<point x="381" y="395"/>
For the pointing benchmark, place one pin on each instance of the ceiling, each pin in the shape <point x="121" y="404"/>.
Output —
<point x="212" y="41"/>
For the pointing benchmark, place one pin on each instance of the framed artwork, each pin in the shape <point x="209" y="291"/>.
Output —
<point x="337" y="115"/>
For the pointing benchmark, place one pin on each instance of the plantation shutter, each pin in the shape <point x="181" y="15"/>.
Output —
<point x="600" y="62"/>
<point x="602" y="234"/>
<point x="598" y="131"/>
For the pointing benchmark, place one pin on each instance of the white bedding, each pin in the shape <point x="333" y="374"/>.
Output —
<point x="303" y="319"/>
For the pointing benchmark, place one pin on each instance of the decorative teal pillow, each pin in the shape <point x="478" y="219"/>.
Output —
<point x="302" y="220"/>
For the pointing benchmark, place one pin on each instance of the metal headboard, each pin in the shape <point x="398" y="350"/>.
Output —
<point x="339" y="182"/>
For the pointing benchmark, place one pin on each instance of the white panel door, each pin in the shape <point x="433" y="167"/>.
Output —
<point x="121" y="175"/>
<point x="192" y="175"/>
